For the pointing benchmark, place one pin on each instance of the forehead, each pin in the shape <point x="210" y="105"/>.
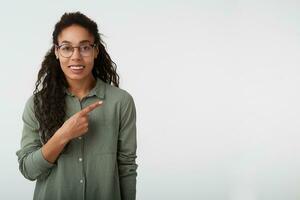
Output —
<point x="75" y="34"/>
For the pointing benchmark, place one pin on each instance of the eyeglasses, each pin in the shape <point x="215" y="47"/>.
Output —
<point x="67" y="50"/>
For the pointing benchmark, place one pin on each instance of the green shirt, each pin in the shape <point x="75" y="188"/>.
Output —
<point x="100" y="165"/>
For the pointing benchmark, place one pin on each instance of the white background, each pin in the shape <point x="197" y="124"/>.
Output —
<point x="216" y="86"/>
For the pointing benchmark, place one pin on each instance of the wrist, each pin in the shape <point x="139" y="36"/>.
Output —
<point x="62" y="136"/>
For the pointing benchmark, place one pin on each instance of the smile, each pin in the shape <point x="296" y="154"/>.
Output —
<point x="76" y="66"/>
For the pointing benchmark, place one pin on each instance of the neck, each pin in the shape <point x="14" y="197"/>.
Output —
<point x="81" y="88"/>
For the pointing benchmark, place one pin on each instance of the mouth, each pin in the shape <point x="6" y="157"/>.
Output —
<point x="76" y="69"/>
<point x="76" y="66"/>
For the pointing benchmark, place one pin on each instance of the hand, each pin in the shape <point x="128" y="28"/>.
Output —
<point x="78" y="124"/>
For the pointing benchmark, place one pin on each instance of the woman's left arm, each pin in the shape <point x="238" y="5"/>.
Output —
<point x="127" y="145"/>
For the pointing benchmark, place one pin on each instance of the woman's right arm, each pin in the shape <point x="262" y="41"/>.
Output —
<point x="36" y="160"/>
<point x="32" y="163"/>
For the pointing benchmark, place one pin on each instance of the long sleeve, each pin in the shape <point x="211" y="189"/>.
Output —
<point x="127" y="149"/>
<point x="32" y="164"/>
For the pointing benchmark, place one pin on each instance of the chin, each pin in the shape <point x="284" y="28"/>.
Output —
<point x="76" y="76"/>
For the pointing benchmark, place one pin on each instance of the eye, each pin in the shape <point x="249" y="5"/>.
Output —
<point x="85" y="47"/>
<point x="66" y="48"/>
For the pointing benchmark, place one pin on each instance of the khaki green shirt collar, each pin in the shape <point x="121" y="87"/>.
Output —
<point x="98" y="90"/>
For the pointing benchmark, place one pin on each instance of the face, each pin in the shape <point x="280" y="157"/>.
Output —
<point x="79" y="64"/>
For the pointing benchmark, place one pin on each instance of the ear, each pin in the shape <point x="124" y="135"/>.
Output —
<point x="96" y="52"/>
<point x="56" y="52"/>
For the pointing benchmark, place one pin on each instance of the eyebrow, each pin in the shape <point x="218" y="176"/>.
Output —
<point x="82" y="41"/>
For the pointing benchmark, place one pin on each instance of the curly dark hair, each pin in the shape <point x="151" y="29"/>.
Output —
<point x="49" y="93"/>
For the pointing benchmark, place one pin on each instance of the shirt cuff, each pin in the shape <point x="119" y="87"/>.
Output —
<point x="40" y="161"/>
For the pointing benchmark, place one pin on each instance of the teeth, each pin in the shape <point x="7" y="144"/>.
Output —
<point x="76" y="67"/>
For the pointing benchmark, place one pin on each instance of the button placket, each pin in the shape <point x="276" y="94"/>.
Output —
<point x="81" y="153"/>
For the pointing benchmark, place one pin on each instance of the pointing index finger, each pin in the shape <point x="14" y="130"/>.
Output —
<point x="90" y="108"/>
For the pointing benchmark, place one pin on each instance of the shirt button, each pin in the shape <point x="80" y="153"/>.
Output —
<point x="80" y="138"/>
<point x="81" y="181"/>
<point x="80" y="159"/>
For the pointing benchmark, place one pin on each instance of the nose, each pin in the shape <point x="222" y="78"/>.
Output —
<point x="76" y="54"/>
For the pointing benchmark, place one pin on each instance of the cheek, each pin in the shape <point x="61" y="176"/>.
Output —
<point x="64" y="66"/>
<point x="89" y="63"/>
<point x="63" y="63"/>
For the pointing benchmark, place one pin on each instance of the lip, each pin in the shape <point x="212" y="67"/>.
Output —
<point x="76" y="71"/>
<point x="76" y="65"/>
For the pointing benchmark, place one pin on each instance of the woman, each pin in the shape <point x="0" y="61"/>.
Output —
<point x="79" y="134"/>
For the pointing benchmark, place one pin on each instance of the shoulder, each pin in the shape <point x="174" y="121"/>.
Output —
<point x="29" y="103"/>
<point x="117" y="94"/>
<point x="28" y="115"/>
